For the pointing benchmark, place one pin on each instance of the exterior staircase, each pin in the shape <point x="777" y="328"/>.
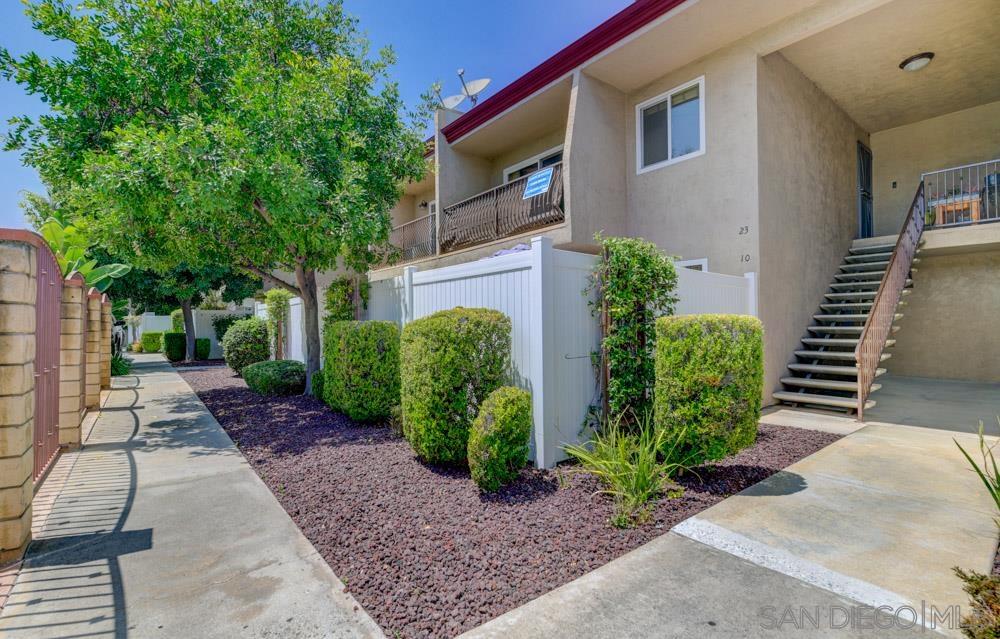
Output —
<point x="826" y="371"/>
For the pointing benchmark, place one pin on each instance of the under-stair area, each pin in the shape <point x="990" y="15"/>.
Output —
<point x="825" y="373"/>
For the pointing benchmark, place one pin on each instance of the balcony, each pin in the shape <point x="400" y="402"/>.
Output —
<point x="963" y="195"/>
<point x="413" y="240"/>
<point x="502" y="212"/>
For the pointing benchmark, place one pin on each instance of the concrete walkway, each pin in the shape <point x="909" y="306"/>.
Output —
<point x="878" y="518"/>
<point x="159" y="528"/>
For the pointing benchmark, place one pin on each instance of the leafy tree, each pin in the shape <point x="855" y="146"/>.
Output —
<point x="257" y="133"/>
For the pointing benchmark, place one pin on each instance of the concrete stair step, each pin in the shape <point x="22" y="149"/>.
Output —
<point x="877" y="248"/>
<point x="839" y="356"/>
<point x="848" y="317"/>
<point x="869" y="257"/>
<point x="824" y="384"/>
<point x="864" y="266"/>
<point x="866" y="276"/>
<point x="859" y="295"/>
<point x="847" y="306"/>
<point x="871" y="285"/>
<point x="816" y="399"/>
<point x="855" y="330"/>
<point x="828" y="369"/>
<point x="838" y="341"/>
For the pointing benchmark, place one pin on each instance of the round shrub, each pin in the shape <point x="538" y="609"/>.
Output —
<point x="279" y="377"/>
<point x="361" y="378"/>
<point x="317" y="385"/>
<point x="174" y="345"/>
<point x="450" y="362"/>
<point x="245" y="343"/>
<point x="498" y="441"/>
<point x="151" y="341"/>
<point x="709" y="382"/>
<point x="202" y="348"/>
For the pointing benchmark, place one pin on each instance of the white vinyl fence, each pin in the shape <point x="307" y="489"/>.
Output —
<point x="295" y="329"/>
<point x="554" y="331"/>
<point x="153" y="323"/>
<point x="203" y="327"/>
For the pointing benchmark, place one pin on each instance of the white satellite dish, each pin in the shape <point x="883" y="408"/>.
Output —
<point x="452" y="101"/>
<point x="474" y="87"/>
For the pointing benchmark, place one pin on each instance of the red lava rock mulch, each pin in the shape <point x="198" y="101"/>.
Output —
<point x="418" y="546"/>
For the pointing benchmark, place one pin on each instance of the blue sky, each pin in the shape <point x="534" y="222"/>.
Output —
<point x="432" y="38"/>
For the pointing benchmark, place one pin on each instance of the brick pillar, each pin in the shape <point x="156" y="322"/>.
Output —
<point x="71" y="353"/>
<point x="105" y="341"/>
<point x="93" y="351"/>
<point x="18" y="291"/>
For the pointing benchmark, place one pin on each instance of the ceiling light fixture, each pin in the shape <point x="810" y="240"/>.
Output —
<point x="917" y="62"/>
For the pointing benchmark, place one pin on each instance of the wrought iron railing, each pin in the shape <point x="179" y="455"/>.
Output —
<point x="878" y="326"/>
<point x="413" y="240"/>
<point x="968" y="194"/>
<point x="501" y="212"/>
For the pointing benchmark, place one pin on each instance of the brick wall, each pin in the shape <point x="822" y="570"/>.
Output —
<point x="71" y="369"/>
<point x="93" y="349"/>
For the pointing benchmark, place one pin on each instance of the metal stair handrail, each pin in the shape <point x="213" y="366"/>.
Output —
<point x="878" y="326"/>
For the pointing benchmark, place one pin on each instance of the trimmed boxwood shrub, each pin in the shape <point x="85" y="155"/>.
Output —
<point x="361" y="367"/>
<point x="245" y="343"/>
<point x="317" y="385"/>
<point x="221" y="324"/>
<point x="498" y="441"/>
<point x="151" y="341"/>
<point x="450" y="362"/>
<point x="174" y="345"/>
<point x="202" y="347"/>
<point x="279" y="377"/>
<point x="709" y="380"/>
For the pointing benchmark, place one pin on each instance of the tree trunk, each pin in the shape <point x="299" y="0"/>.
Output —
<point x="188" y="328"/>
<point x="306" y="279"/>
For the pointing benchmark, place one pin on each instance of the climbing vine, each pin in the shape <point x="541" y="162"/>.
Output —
<point x="277" y="301"/>
<point x="635" y="283"/>
<point x="339" y="303"/>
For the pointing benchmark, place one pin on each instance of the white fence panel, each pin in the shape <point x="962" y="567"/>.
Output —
<point x="295" y="344"/>
<point x="203" y="327"/>
<point x="154" y="323"/>
<point x="385" y="300"/>
<point x="704" y="292"/>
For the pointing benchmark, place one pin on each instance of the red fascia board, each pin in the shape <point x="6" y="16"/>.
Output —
<point x="605" y="35"/>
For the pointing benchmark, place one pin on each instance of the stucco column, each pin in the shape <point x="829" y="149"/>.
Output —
<point x="18" y="291"/>
<point x="105" y="341"/>
<point x="71" y="354"/>
<point x="93" y="349"/>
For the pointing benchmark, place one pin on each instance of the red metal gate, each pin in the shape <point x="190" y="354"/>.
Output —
<point x="47" y="343"/>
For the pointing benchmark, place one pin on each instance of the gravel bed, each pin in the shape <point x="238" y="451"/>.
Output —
<point x="417" y="545"/>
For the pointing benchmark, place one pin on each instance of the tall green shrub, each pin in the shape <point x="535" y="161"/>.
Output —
<point x="174" y="345"/>
<point x="152" y="341"/>
<point x="709" y="381"/>
<point x="202" y="348"/>
<point x="339" y="299"/>
<point x="498" y="441"/>
<point x="277" y="301"/>
<point x="451" y="361"/>
<point x="361" y="368"/>
<point x="221" y="324"/>
<point x="245" y="343"/>
<point x="635" y="283"/>
<point x="177" y="320"/>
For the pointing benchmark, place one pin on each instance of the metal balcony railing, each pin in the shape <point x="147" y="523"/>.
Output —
<point x="962" y="195"/>
<point x="501" y="212"/>
<point x="413" y="240"/>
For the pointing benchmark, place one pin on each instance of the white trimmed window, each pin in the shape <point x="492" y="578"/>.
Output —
<point x="530" y="165"/>
<point x="700" y="264"/>
<point x="670" y="127"/>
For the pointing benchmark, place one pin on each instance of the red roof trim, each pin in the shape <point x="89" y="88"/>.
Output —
<point x="608" y="33"/>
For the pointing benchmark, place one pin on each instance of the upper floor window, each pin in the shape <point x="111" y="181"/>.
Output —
<point x="529" y="166"/>
<point x="671" y="127"/>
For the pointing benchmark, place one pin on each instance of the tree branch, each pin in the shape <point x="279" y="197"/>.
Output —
<point x="268" y="277"/>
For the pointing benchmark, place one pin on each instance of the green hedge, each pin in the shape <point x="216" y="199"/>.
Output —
<point x="174" y="345"/>
<point x="280" y="377"/>
<point x="498" y="441"/>
<point x="361" y="367"/>
<point x="152" y="341"/>
<point x="177" y="320"/>
<point x="202" y="348"/>
<point x="245" y="343"/>
<point x="317" y="385"/>
<point x="709" y="380"/>
<point x="450" y="362"/>
<point x="221" y="324"/>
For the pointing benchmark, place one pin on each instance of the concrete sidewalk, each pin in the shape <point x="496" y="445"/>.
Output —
<point x="159" y="528"/>
<point x="878" y="518"/>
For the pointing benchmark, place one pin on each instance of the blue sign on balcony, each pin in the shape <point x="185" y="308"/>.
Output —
<point x="538" y="183"/>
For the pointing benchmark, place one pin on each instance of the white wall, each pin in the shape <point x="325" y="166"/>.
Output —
<point x="295" y="330"/>
<point x="203" y="328"/>
<point x="155" y="323"/>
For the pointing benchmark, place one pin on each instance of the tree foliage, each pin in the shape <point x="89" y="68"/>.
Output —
<point x="258" y="133"/>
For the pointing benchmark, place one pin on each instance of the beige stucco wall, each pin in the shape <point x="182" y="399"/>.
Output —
<point x="457" y="175"/>
<point x="903" y="153"/>
<point x="541" y="144"/>
<point x="695" y="208"/>
<point x="948" y="328"/>
<point x="595" y="172"/>
<point x="808" y="186"/>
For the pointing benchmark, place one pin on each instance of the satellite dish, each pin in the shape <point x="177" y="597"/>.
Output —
<point x="474" y="87"/>
<point x="452" y="101"/>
